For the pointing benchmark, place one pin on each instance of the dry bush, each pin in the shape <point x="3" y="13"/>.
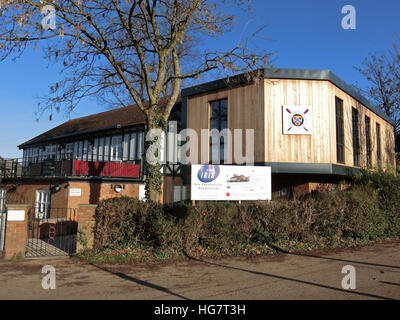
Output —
<point x="325" y="219"/>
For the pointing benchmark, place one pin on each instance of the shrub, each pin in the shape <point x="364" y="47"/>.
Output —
<point x="368" y="210"/>
<point x="387" y="185"/>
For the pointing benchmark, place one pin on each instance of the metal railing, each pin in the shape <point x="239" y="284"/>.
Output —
<point x="10" y="168"/>
<point x="53" y="235"/>
<point x="71" y="166"/>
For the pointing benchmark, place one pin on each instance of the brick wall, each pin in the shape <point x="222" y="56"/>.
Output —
<point x="16" y="231"/>
<point x="86" y="220"/>
<point x="93" y="192"/>
<point x="25" y="193"/>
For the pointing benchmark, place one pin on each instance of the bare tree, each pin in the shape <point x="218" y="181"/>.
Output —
<point x="383" y="73"/>
<point x="131" y="51"/>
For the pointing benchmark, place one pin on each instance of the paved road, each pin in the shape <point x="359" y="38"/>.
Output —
<point x="315" y="275"/>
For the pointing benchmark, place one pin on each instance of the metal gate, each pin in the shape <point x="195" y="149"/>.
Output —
<point x="3" y="216"/>
<point x="52" y="235"/>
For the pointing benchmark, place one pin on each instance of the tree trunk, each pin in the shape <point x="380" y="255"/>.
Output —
<point x="153" y="179"/>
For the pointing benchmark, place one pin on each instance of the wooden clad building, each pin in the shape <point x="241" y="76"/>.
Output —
<point x="345" y="131"/>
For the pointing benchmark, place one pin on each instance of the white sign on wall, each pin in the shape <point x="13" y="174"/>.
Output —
<point x="215" y="182"/>
<point x="15" y="215"/>
<point x="75" y="192"/>
<point x="297" y="120"/>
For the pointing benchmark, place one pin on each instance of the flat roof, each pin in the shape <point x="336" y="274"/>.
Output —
<point x="287" y="73"/>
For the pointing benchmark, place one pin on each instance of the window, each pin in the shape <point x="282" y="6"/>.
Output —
<point x="80" y="149"/>
<point x="368" y="140"/>
<point x="356" y="138"/>
<point x="58" y="151"/>
<point x="69" y="151"/>
<point x="61" y="152"/>
<point x="90" y="150"/>
<point x="218" y="121"/>
<point x="95" y="149"/>
<point x="125" y="147"/>
<point x="132" y="146"/>
<point x="378" y="143"/>
<point x="42" y="208"/>
<point x="339" y="130"/>
<point x="41" y="154"/>
<point x="116" y="148"/>
<point x="179" y="193"/>
<point x="85" y="151"/>
<point x="106" y="155"/>
<point x="101" y="149"/>
<point x="34" y="155"/>
<point x="50" y="152"/>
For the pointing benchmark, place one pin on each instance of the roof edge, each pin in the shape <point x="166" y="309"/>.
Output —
<point x="78" y="134"/>
<point x="288" y="73"/>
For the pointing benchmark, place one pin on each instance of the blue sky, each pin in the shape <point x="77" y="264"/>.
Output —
<point x="303" y="34"/>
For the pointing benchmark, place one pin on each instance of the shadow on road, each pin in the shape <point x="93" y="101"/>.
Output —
<point x="289" y="279"/>
<point x="329" y="258"/>
<point x="141" y="282"/>
<point x="391" y="283"/>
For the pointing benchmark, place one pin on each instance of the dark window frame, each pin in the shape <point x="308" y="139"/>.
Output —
<point x="378" y="143"/>
<point x="356" y="137"/>
<point x="368" y="145"/>
<point x="340" y="157"/>
<point x="220" y="117"/>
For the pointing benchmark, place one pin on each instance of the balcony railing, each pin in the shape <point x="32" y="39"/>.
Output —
<point x="10" y="168"/>
<point x="70" y="167"/>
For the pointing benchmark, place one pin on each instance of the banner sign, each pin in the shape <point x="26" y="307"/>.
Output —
<point x="215" y="182"/>
<point x="297" y="120"/>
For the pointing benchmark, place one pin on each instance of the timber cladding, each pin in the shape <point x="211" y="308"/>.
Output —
<point x="386" y="131"/>
<point x="259" y="107"/>
<point x="245" y="111"/>
<point x="281" y="147"/>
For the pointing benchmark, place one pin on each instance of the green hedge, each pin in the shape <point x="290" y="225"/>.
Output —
<point x="368" y="210"/>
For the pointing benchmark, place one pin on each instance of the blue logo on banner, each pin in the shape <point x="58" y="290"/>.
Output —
<point x="208" y="173"/>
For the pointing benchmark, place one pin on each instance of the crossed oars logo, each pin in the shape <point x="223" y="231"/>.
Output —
<point x="297" y="119"/>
